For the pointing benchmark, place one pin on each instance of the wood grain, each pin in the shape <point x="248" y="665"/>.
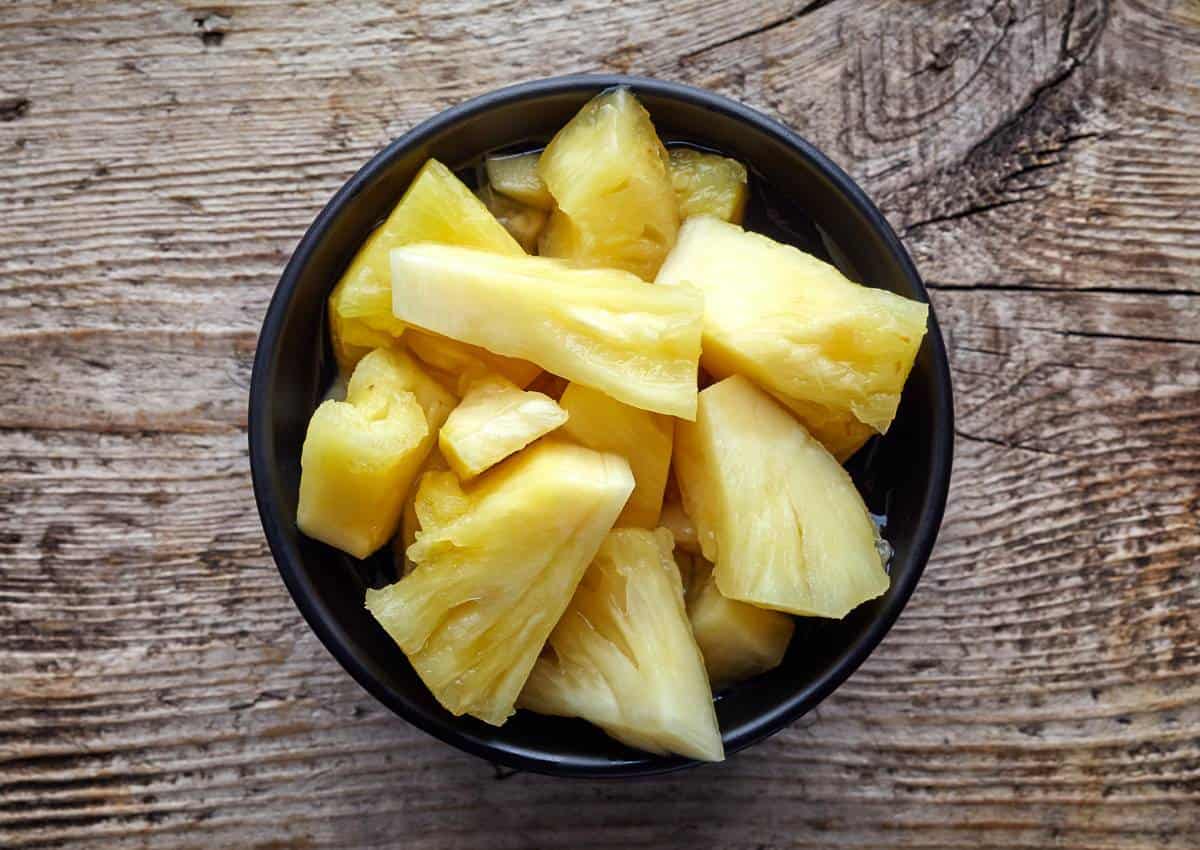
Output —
<point x="159" y="162"/>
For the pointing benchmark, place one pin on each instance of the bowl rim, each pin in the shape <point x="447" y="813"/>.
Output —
<point x="445" y="727"/>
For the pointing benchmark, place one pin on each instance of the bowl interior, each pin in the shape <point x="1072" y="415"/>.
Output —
<point x="904" y="475"/>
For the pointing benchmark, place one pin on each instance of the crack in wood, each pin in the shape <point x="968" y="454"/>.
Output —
<point x="1036" y="288"/>
<point x="811" y="7"/>
<point x="1005" y="444"/>
<point x="1167" y="340"/>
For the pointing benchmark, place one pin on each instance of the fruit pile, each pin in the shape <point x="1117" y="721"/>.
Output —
<point x="581" y="530"/>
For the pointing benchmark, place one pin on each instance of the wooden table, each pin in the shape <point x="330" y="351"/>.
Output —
<point x="158" y="162"/>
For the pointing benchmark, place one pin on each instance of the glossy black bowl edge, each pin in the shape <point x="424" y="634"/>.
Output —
<point x="259" y="431"/>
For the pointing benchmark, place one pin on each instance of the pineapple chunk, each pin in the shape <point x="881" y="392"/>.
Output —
<point x="676" y="521"/>
<point x="708" y="184"/>
<point x="517" y="177"/>
<point x="409" y="523"/>
<point x="497" y="564"/>
<point x="603" y="328"/>
<point x="838" y="430"/>
<point x="459" y="361"/>
<point x="737" y="640"/>
<point x="608" y="173"/>
<point x="523" y="222"/>
<point x="436" y="208"/>
<point x="360" y="457"/>
<point x="495" y="419"/>
<point x="623" y="656"/>
<point x="393" y="368"/>
<point x="642" y="438"/>
<point x="775" y="511"/>
<point x="794" y="324"/>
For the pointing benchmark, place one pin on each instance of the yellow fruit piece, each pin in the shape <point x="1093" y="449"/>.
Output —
<point x="360" y="457"/>
<point x="676" y="521"/>
<point x="608" y="173"/>
<point x="496" y="568"/>
<point x="517" y="177"/>
<point x="774" y="510"/>
<point x="838" y="430"/>
<point x="708" y="184"/>
<point x="737" y="640"/>
<point x="794" y="324"/>
<point x="409" y="523"/>
<point x="457" y="360"/>
<point x="437" y="207"/>
<point x="643" y="438"/>
<point x="523" y="222"/>
<point x="494" y="419"/>
<point x="623" y="656"/>
<point x="603" y="328"/>
<point x="395" y="369"/>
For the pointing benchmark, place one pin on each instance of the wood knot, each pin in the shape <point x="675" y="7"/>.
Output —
<point x="12" y="108"/>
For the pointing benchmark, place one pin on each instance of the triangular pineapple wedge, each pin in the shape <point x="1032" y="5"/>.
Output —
<point x="494" y="419"/>
<point x="623" y="656"/>
<point x="360" y="455"/>
<point x="738" y="640"/>
<point x="437" y="207"/>
<point x="497" y="563"/>
<point x="774" y="511"/>
<point x="795" y="325"/>
<point x="708" y="184"/>
<point x="608" y="173"/>
<point x="603" y="328"/>
<point x="643" y="438"/>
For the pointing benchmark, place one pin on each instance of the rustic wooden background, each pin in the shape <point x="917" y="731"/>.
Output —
<point x="158" y="162"/>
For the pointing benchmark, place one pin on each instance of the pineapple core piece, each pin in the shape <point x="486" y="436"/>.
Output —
<point x="360" y="456"/>
<point x="796" y="326"/>
<point x="436" y="208"/>
<point x="643" y="438"/>
<point x="774" y="510"/>
<point x="523" y="222"/>
<point x="494" y="419"/>
<point x="497" y="563"/>
<point x="517" y="177"/>
<point x="737" y="640"/>
<point x="457" y="361"/>
<point x="708" y="184"/>
<point x="623" y="656"/>
<point x="608" y="173"/>
<point x="603" y="328"/>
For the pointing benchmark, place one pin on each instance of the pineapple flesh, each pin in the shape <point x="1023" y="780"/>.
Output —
<point x="494" y="419"/>
<point x="675" y="519"/>
<point x="795" y="325"/>
<point x="774" y="511"/>
<point x="602" y="328"/>
<point x="641" y="437"/>
<point x="523" y="222"/>
<point x="456" y="361"/>
<point x="360" y="455"/>
<point x="623" y="656"/>
<point x="708" y="184"/>
<point x="497" y="564"/>
<point x="737" y="640"/>
<point x="409" y="523"/>
<point x="517" y="177"/>
<point x="437" y="207"/>
<point x="610" y="179"/>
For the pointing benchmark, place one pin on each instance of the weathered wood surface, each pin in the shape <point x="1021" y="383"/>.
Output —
<point x="159" y="160"/>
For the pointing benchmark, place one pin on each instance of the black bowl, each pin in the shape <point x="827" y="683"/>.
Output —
<point x="904" y="475"/>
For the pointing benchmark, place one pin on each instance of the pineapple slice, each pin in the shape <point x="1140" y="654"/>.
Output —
<point x="775" y="511"/>
<point x="794" y="324"/>
<point x="517" y="177"/>
<point x="523" y="222"/>
<point x="603" y="328"/>
<point x="360" y="457"/>
<point x="436" y="208"/>
<point x="495" y="419"/>
<point x="457" y="360"/>
<point x="708" y="184"/>
<point x="737" y="640"/>
<point x="623" y="656"/>
<point x="497" y="563"/>
<point x="643" y="438"/>
<point x="410" y="524"/>
<point x="608" y="173"/>
<point x="394" y="368"/>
